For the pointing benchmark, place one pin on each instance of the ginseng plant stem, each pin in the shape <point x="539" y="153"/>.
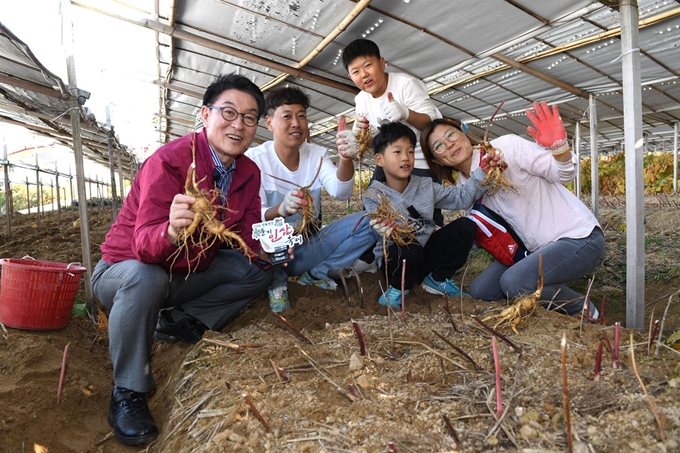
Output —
<point x="498" y="334"/>
<point x="598" y="363"/>
<point x="259" y="416"/>
<point x="360" y="337"/>
<point x="650" y="402"/>
<point x="63" y="372"/>
<point x="602" y="306"/>
<point x="403" y="291"/>
<point x="497" y="368"/>
<point x="565" y="394"/>
<point x="617" y="332"/>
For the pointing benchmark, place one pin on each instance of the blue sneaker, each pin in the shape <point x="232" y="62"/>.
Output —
<point x="306" y="279"/>
<point x="278" y="299"/>
<point x="447" y="287"/>
<point x="394" y="296"/>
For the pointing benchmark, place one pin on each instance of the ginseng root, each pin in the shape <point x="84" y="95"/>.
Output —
<point x="363" y="139"/>
<point x="308" y="222"/>
<point x="403" y="233"/>
<point x="205" y="230"/>
<point x="495" y="178"/>
<point x="523" y="306"/>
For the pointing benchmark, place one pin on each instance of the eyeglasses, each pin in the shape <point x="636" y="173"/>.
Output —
<point x="229" y="114"/>
<point x="451" y="136"/>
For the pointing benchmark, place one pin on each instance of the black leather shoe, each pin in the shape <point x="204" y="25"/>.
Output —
<point x="130" y="417"/>
<point x="188" y="330"/>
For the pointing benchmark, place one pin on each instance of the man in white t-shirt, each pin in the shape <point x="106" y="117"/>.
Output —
<point x="287" y="164"/>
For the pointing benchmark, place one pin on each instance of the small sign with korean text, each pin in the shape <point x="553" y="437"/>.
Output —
<point x="276" y="237"/>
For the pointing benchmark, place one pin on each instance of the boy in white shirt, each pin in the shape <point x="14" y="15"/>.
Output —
<point x="385" y="97"/>
<point x="288" y="157"/>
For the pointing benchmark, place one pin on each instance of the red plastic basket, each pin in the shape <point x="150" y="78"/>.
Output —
<point x="38" y="295"/>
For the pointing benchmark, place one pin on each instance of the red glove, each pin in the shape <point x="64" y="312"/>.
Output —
<point x="548" y="130"/>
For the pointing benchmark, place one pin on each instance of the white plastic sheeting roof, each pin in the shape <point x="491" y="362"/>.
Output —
<point x="473" y="55"/>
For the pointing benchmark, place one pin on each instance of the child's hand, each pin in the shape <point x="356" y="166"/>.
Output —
<point x="548" y="130"/>
<point x="360" y="123"/>
<point x="383" y="227"/>
<point x="347" y="144"/>
<point x="394" y="110"/>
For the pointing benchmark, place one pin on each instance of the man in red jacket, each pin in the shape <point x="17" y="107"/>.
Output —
<point x="203" y="289"/>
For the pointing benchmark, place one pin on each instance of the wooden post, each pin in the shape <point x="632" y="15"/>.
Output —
<point x="28" y="196"/>
<point x="112" y="165"/>
<point x="70" y="182"/>
<point x="38" y="195"/>
<point x="8" y="196"/>
<point x="56" y="182"/>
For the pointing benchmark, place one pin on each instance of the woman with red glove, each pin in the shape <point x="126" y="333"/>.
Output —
<point x="547" y="217"/>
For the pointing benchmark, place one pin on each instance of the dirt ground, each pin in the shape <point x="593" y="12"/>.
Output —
<point x="318" y="394"/>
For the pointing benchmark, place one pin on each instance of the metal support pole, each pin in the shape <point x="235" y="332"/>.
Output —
<point x="675" y="158"/>
<point x="632" y="125"/>
<point x="594" y="161"/>
<point x="577" y="152"/>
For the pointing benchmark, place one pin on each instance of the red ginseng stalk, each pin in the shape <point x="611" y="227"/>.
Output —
<point x="360" y="338"/>
<point x="598" y="363"/>
<point x="617" y="361"/>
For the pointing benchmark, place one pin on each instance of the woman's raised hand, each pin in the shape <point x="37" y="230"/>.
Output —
<point x="548" y="130"/>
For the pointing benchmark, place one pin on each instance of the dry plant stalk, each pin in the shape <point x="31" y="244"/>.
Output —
<point x="650" y="402"/>
<point x="497" y="374"/>
<point x="565" y="394"/>
<point x="63" y="373"/>
<point x="205" y="230"/>
<point x="497" y="334"/>
<point x="523" y="306"/>
<point x="495" y="179"/>
<point x="257" y="413"/>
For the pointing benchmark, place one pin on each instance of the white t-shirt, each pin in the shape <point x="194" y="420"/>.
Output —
<point x="406" y="90"/>
<point x="542" y="210"/>
<point x="273" y="190"/>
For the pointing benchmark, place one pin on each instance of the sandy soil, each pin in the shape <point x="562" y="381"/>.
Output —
<point x="326" y="397"/>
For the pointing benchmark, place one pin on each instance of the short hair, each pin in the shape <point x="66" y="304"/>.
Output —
<point x="390" y="133"/>
<point x="286" y="96"/>
<point x="232" y="81"/>
<point x="359" y="48"/>
<point x="444" y="173"/>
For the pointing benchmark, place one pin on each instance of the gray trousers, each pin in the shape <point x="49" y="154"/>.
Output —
<point x="564" y="260"/>
<point x="134" y="293"/>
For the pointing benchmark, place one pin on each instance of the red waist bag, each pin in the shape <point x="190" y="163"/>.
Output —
<point x="496" y="236"/>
